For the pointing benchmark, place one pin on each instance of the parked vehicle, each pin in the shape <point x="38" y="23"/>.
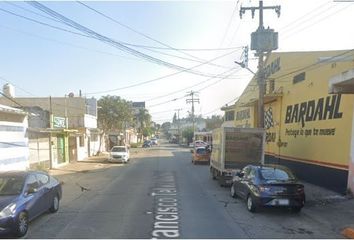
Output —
<point x="201" y="155"/>
<point x="119" y="154"/>
<point x="147" y="144"/>
<point x="233" y="149"/>
<point x="268" y="186"/>
<point x="154" y="141"/>
<point x="25" y="195"/>
<point x="199" y="143"/>
<point x="203" y="136"/>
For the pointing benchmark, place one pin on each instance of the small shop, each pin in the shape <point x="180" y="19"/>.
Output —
<point x="308" y="129"/>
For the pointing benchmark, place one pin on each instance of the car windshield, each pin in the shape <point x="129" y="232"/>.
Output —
<point x="276" y="174"/>
<point x="118" y="149"/>
<point x="11" y="185"/>
<point x="201" y="151"/>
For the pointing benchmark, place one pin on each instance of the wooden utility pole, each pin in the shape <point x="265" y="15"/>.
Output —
<point x="192" y="100"/>
<point x="178" y="124"/>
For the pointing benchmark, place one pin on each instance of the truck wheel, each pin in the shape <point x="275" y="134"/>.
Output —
<point x="221" y="182"/>
<point x="214" y="175"/>
<point x="211" y="172"/>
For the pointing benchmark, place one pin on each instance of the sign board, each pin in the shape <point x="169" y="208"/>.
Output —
<point x="59" y="122"/>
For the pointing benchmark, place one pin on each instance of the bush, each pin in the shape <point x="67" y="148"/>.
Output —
<point x="134" y="145"/>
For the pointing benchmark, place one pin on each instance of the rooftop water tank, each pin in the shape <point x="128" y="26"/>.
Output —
<point x="9" y="90"/>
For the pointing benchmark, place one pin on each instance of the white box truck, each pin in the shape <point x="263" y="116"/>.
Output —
<point x="234" y="148"/>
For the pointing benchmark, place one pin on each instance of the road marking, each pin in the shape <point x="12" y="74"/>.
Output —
<point x="166" y="217"/>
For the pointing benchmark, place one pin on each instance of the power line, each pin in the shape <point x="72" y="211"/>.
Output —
<point x="7" y="81"/>
<point x="216" y="109"/>
<point x="125" y="43"/>
<point x="110" y="41"/>
<point x="70" y="44"/>
<point x="175" y="99"/>
<point x="189" y="87"/>
<point x="159" y="78"/>
<point x="228" y="26"/>
<point x="304" y="18"/>
<point x="184" y="58"/>
<point x="41" y="23"/>
<point x="94" y="35"/>
<point x="293" y="31"/>
<point x="138" y="32"/>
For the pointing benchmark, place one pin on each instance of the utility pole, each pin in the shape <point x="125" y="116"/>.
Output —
<point x="178" y="126"/>
<point x="192" y="100"/>
<point x="50" y="133"/>
<point x="263" y="40"/>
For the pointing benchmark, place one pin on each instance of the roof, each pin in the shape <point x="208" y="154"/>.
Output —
<point x="4" y="108"/>
<point x="19" y="173"/>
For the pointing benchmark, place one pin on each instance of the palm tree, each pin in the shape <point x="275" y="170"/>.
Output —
<point x="143" y="120"/>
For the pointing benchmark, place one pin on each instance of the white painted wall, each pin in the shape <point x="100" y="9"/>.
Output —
<point x="351" y="161"/>
<point x="14" y="151"/>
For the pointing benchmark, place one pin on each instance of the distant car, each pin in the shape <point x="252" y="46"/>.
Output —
<point x="119" y="154"/>
<point x="201" y="155"/>
<point x="154" y="141"/>
<point x="268" y="186"/>
<point x="147" y="144"/>
<point x="199" y="143"/>
<point x="24" y="195"/>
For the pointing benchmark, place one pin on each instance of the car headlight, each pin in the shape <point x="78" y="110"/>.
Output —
<point x="8" y="211"/>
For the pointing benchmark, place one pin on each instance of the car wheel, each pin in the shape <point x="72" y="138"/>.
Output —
<point x="296" y="209"/>
<point x="21" y="224"/>
<point x="55" y="204"/>
<point x="250" y="204"/>
<point x="232" y="191"/>
<point x="213" y="174"/>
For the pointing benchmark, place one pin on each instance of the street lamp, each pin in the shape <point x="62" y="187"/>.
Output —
<point x="241" y="64"/>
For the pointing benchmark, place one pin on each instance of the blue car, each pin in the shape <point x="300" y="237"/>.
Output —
<point x="147" y="144"/>
<point x="24" y="195"/>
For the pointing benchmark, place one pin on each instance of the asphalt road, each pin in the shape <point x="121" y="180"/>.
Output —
<point x="161" y="194"/>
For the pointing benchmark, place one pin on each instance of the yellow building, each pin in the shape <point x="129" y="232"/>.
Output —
<point x="307" y="128"/>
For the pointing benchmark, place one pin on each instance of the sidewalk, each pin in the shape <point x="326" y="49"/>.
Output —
<point x="88" y="164"/>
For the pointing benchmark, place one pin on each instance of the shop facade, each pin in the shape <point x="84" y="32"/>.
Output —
<point x="308" y="128"/>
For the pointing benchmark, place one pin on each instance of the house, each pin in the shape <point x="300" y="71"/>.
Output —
<point x="65" y="126"/>
<point x="14" y="151"/>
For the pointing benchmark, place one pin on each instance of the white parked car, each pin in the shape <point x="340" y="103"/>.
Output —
<point x="119" y="154"/>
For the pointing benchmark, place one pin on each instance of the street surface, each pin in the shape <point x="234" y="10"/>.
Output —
<point x="161" y="194"/>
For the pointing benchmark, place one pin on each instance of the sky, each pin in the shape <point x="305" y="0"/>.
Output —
<point x="155" y="51"/>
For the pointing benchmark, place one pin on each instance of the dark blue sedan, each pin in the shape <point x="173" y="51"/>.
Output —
<point x="24" y="195"/>
<point x="268" y="186"/>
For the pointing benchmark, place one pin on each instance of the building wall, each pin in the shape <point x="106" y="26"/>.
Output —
<point x="39" y="156"/>
<point x="351" y="162"/>
<point x="307" y="129"/>
<point x="82" y="151"/>
<point x="13" y="141"/>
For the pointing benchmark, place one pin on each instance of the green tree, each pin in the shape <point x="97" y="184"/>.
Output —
<point x="188" y="134"/>
<point x="214" y="122"/>
<point x="143" y="122"/>
<point x="114" y="114"/>
<point x="165" y="127"/>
